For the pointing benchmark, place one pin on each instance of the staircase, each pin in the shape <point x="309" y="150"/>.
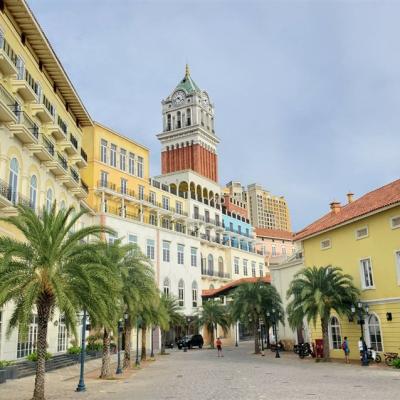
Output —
<point x="27" y="368"/>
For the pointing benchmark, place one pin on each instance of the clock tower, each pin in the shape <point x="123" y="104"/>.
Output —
<point x="188" y="138"/>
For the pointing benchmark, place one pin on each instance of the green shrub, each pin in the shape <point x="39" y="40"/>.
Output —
<point x="74" y="350"/>
<point x="94" y="346"/>
<point x="33" y="356"/>
<point x="5" y="363"/>
<point x="396" y="363"/>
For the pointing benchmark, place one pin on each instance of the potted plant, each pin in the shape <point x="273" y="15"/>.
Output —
<point x="10" y="368"/>
<point x="74" y="351"/>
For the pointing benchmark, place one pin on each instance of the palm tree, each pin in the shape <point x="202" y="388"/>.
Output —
<point x="315" y="292"/>
<point x="213" y="314"/>
<point x="251" y="302"/>
<point x="171" y="310"/>
<point x="51" y="269"/>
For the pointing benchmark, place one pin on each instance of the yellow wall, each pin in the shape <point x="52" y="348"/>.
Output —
<point x="346" y="252"/>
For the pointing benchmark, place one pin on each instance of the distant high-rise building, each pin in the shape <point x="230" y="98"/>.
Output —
<point x="266" y="210"/>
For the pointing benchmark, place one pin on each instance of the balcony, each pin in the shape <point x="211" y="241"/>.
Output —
<point x="8" y="59"/>
<point x="70" y="145"/>
<point x="218" y="274"/>
<point x="73" y="181"/>
<point x="59" y="165"/>
<point x="8" y="106"/>
<point x="9" y="197"/>
<point x="58" y="130"/>
<point x="25" y="129"/>
<point x="24" y="89"/>
<point x="43" y="110"/>
<point x="43" y="149"/>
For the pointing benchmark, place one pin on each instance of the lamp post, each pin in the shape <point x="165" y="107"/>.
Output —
<point x="185" y="342"/>
<point x="137" y="362"/>
<point x="275" y="330"/>
<point x="362" y="311"/>
<point x="237" y="334"/>
<point x="81" y="385"/>
<point x="262" y="334"/>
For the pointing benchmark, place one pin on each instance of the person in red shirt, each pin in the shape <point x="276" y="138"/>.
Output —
<point x="219" y="347"/>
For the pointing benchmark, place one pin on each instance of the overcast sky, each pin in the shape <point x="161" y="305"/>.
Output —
<point x="306" y="94"/>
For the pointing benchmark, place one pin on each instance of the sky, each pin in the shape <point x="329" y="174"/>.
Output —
<point x="306" y="93"/>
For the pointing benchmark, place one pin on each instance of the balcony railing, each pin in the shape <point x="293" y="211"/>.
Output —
<point x="74" y="174"/>
<point x="9" y="100"/>
<point x="212" y="272"/>
<point x="106" y="185"/>
<point x="62" y="124"/>
<point x="83" y="154"/>
<point x="8" y="50"/>
<point x="24" y="119"/>
<point x="73" y="140"/>
<point x="48" y="105"/>
<point x="7" y="192"/>
<point x="62" y="161"/>
<point x="49" y="146"/>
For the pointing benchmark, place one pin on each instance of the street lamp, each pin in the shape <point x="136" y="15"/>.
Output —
<point x="237" y="334"/>
<point x="362" y="311"/>
<point x="152" y="347"/>
<point x="81" y="385"/>
<point x="275" y="330"/>
<point x="137" y="362"/>
<point x="119" y="369"/>
<point x="185" y="342"/>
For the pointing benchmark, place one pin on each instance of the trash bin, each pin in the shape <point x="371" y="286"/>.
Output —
<point x="319" y="348"/>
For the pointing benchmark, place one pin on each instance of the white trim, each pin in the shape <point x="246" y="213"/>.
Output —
<point x="330" y="333"/>
<point x="383" y="301"/>
<point x="366" y="330"/>
<point x="362" y="274"/>
<point x="391" y="222"/>
<point x="360" y="229"/>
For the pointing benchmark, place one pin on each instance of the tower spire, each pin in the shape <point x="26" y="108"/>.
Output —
<point x="187" y="72"/>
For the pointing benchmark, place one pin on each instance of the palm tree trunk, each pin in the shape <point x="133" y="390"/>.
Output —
<point x="325" y="336"/>
<point x="143" y="356"/>
<point x="163" y="340"/>
<point x="105" y="361"/>
<point x="256" y="343"/>
<point x="43" y="309"/>
<point x="212" y="336"/>
<point x="127" y="352"/>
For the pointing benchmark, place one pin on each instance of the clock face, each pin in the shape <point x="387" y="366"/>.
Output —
<point x="178" y="97"/>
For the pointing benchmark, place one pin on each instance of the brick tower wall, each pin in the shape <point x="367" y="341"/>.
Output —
<point x="194" y="157"/>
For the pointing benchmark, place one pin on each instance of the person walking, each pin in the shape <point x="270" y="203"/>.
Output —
<point x="219" y="347"/>
<point x="346" y="349"/>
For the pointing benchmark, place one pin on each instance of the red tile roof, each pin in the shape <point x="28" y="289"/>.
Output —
<point x="379" y="198"/>
<point x="274" y="233"/>
<point x="233" y="284"/>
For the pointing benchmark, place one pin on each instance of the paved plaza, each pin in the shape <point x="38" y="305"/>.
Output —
<point x="199" y="374"/>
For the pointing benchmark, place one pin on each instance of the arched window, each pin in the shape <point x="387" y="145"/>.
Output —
<point x="33" y="192"/>
<point x="13" y="181"/>
<point x="210" y="265"/>
<point x="374" y="333"/>
<point x="181" y="293"/>
<point x="220" y="267"/>
<point x="166" y="286"/>
<point x="49" y="199"/>
<point x="188" y="117"/>
<point x="178" y="120"/>
<point x="168" y="122"/>
<point x="194" y="294"/>
<point x="335" y="334"/>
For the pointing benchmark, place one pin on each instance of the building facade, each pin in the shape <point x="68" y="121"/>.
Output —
<point x="363" y="238"/>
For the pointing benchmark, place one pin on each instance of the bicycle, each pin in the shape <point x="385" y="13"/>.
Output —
<point x="390" y="357"/>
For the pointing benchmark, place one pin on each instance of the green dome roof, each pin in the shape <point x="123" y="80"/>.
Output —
<point x="187" y="83"/>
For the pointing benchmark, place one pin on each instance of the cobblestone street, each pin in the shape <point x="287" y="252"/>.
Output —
<point x="199" y="374"/>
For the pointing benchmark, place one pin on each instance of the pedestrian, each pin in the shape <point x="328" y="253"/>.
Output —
<point x="346" y="349"/>
<point x="219" y="347"/>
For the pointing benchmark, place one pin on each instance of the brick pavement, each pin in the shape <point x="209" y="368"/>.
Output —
<point x="240" y="375"/>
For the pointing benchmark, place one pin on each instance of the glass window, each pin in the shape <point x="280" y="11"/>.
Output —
<point x="140" y="167"/>
<point x="152" y="197"/>
<point x="13" y="181"/>
<point x="124" y="184"/>
<point x="245" y="267"/>
<point x="335" y="334"/>
<point x="103" y="151"/>
<point x="374" y="331"/>
<point x="166" y="251"/>
<point x="165" y="203"/>
<point x="103" y="179"/>
<point x="49" y="199"/>
<point x="111" y="239"/>
<point x="220" y="267"/>
<point x="179" y="119"/>
<point x="113" y="155"/>
<point x="27" y="343"/>
<point x="132" y="239"/>
<point x="178" y="206"/>
<point x="397" y="255"/>
<point x="193" y="256"/>
<point x="261" y="269"/>
<point x="210" y="264"/>
<point x="366" y="274"/>
<point x="141" y="192"/>
<point x="166" y="286"/>
<point x="168" y="122"/>
<point x="153" y="219"/>
<point x="181" y="293"/>
<point x="181" y="251"/>
<point x="253" y="268"/>
<point x="150" y="250"/>
<point x="33" y="192"/>
<point x="273" y="250"/>
<point x="62" y="334"/>
<point x="122" y="159"/>
<point x="188" y="117"/>
<point x="236" y="265"/>
<point x="194" y="294"/>
<point x="131" y="164"/>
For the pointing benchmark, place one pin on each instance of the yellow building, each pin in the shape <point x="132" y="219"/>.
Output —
<point x="363" y="238"/>
<point x="118" y="180"/>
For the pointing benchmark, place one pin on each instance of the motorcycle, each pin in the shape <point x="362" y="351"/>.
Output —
<point x="374" y="355"/>
<point x="303" y="350"/>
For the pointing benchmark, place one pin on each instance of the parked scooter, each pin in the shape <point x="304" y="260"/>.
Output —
<point x="374" y="355"/>
<point x="303" y="349"/>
